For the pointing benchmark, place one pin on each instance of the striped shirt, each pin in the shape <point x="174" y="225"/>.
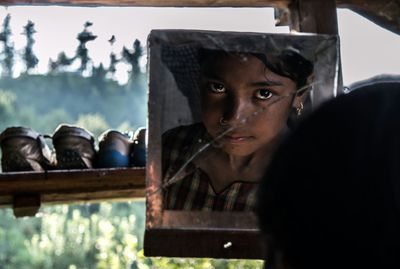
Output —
<point x="191" y="189"/>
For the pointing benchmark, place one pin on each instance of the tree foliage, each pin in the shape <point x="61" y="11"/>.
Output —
<point x="44" y="101"/>
<point x="7" y="56"/>
<point x="62" y="62"/>
<point x="29" y="57"/>
<point x="132" y="57"/>
<point x="82" y="52"/>
<point x="106" y="235"/>
<point x="114" y="60"/>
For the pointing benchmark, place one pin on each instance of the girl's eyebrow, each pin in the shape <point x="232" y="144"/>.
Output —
<point x="265" y="83"/>
<point x="210" y="77"/>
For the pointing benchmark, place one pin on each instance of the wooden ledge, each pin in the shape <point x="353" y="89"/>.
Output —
<point x="71" y="186"/>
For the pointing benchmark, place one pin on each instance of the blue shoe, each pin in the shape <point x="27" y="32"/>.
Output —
<point x="114" y="149"/>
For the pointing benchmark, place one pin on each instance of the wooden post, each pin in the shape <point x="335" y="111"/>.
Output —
<point x="313" y="16"/>
<point x="320" y="17"/>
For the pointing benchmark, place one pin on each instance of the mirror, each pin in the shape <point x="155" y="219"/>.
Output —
<point x="219" y="104"/>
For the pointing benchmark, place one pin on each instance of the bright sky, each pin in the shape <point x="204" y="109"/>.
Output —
<point x="366" y="48"/>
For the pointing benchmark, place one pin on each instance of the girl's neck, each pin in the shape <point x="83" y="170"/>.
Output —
<point x="240" y="164"/>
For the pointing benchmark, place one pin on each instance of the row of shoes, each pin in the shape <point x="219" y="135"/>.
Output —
<point x="24" y="149"/>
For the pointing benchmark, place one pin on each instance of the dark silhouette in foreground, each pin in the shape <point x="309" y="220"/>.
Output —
<point x="331" y="197"/>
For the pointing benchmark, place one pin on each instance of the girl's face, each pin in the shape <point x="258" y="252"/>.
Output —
<point x="234" y="88"/>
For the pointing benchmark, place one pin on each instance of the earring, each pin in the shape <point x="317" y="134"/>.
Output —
<point x="223" y="122"/>
<point x="299" y="109"/>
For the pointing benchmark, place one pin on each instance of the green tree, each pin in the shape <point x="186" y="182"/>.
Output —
<point x="82" y="52"/>
<point x="8" y="48"/>
<point x="98" y="77"/>
<point x="113" y="58"/>
<point x="29" y="57"/>
<point x="62" y="62"/>
<point x="132" y="57"/>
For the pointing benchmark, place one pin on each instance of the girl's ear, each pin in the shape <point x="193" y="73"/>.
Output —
<point x="302" y="93"/>
<point x="299" y="99"/>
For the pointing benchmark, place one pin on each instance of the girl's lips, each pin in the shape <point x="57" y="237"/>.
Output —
<point x="237" y="138"/>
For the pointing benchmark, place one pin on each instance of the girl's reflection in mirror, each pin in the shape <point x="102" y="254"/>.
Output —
<point x="246" y="100"/>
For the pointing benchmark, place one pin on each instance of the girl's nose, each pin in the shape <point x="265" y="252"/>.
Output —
<point x="235" y="110"/>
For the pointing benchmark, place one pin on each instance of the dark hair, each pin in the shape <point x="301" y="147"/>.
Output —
<point x="289" y="63"/>
<point x="331" y="196"/>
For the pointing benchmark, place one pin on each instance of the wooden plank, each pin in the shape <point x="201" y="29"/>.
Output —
<point x="233" y="235"/>
<point x="154" y="202"/>
<point x="317" y="17"/>
<point x="212" y="220"/>
<point x="93" y="197"/>
<point x="6" y="201"/>
<point x="156" y="3"/>
<point x="83" y="197"/>
<point x="74" y="186"/>
<point x="204" y="243"/>
<point x="72" y="181"/>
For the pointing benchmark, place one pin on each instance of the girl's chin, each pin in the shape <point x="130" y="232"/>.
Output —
<point x="237" y="150"/>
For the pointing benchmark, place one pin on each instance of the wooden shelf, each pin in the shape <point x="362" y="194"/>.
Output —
<point x="71" y="186"/>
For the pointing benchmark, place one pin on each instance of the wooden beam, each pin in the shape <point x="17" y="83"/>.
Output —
<point x="94" y="197"/>
<point x="204" y="243"/>
<point x="72" y="181"/>
<point x="21" y="189"/>
<point x="81" y="197"/>
<point x="385" y="13"/>
<point x="229" y="235"/>
<point x="155" y="3"/>
<point x="313" y="16"/>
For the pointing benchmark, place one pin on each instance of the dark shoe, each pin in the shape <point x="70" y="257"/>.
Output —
<point x="114" y="149"/>
<point x="23" y="149"/>
<point x="138" y="156"/>
<point x="74" y="147"/>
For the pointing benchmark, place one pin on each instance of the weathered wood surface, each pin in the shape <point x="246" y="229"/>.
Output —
<point x="69" y="186"/>
<point x="385" y="13"/>
<point x="233" y="235"/>
<point x="204" y="243"/>
<point x="157" y="3"/>
<point x="210" y="220"/>
<point x="314" y="16"/>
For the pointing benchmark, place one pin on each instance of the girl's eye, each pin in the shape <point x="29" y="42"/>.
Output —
<point x="263" y="94"/>
<point x="217" y="87"/>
